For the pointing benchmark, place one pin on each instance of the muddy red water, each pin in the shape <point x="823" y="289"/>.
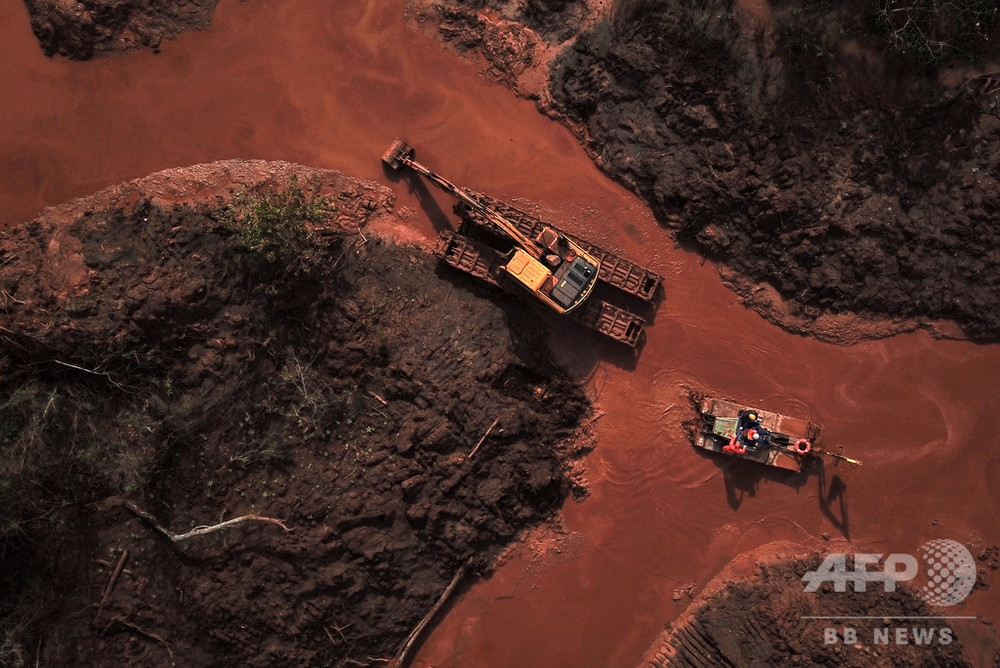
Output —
<point x="330" y="86"/>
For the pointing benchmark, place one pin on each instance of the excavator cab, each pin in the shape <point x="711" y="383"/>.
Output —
<point x="572" y="279"/>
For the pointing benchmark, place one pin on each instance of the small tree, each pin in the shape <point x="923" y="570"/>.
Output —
<point x="278" y="227"/>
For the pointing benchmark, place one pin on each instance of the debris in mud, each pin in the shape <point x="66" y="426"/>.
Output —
<point x="92" y="28"/>
<point x="151" y="353"/>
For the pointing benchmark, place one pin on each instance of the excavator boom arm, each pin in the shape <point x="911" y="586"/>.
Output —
<point x="463" y="196"/>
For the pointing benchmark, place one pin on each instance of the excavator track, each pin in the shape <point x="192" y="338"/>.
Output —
<point x="470" y="256"/>
<point x="483" y="262"/>
<point x="613" y="322"/>
<point x="616" y="271"/>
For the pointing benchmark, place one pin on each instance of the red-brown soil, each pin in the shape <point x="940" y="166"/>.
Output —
<point x="148" y="356"/>
<point x="841" y="193"/>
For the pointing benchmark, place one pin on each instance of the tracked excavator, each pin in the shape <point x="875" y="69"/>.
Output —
<point x="513" y="250"/>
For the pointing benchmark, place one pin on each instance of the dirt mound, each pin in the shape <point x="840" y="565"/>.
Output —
<point x="756" y="612"/>
<point x="170" y="354"/>
<point x="87" y="29"/>
<point x="784" y="143"/>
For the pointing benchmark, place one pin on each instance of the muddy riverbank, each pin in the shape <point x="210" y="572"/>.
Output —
<point x="95" y="28"/>
<point x="755" y="613"/>
<point x="760" y="136"/>
<point x="155" y="351"/>
<point x="826" y="175"/>
<point x="834" y="203"/>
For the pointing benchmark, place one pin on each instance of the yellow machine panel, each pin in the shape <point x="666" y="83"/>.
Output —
<point x="527" y="270"/>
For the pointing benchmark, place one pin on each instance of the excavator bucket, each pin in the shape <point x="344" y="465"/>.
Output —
<point x="397" y="154"/>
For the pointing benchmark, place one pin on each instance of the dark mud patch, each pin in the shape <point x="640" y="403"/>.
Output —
<point x="149" y="355"/>
<point x="878" y="207"/>
<point x="787" y="144"/>
<point x="756" y="612"/>
<point x="511" y="54"/>
<point x="88" y="29"/>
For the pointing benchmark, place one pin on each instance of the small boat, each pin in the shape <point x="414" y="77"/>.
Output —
<point x="745" y="432"/>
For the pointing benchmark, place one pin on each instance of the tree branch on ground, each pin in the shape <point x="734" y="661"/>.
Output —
<point x="400" y="659"/>
<point x="197" y="531"/>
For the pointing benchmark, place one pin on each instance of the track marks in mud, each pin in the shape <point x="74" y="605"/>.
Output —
<point x="755" y="612"/>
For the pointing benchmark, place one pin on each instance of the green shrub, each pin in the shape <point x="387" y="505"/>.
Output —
<point x="278" y="227"/>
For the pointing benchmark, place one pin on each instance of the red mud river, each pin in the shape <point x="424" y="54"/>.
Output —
<point x="330" y="85"/>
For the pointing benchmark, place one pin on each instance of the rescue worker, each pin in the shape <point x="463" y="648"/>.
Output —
<point x="749" y="434"/>
<point x="752" y="438"/>
<point x="735" y="446"/>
